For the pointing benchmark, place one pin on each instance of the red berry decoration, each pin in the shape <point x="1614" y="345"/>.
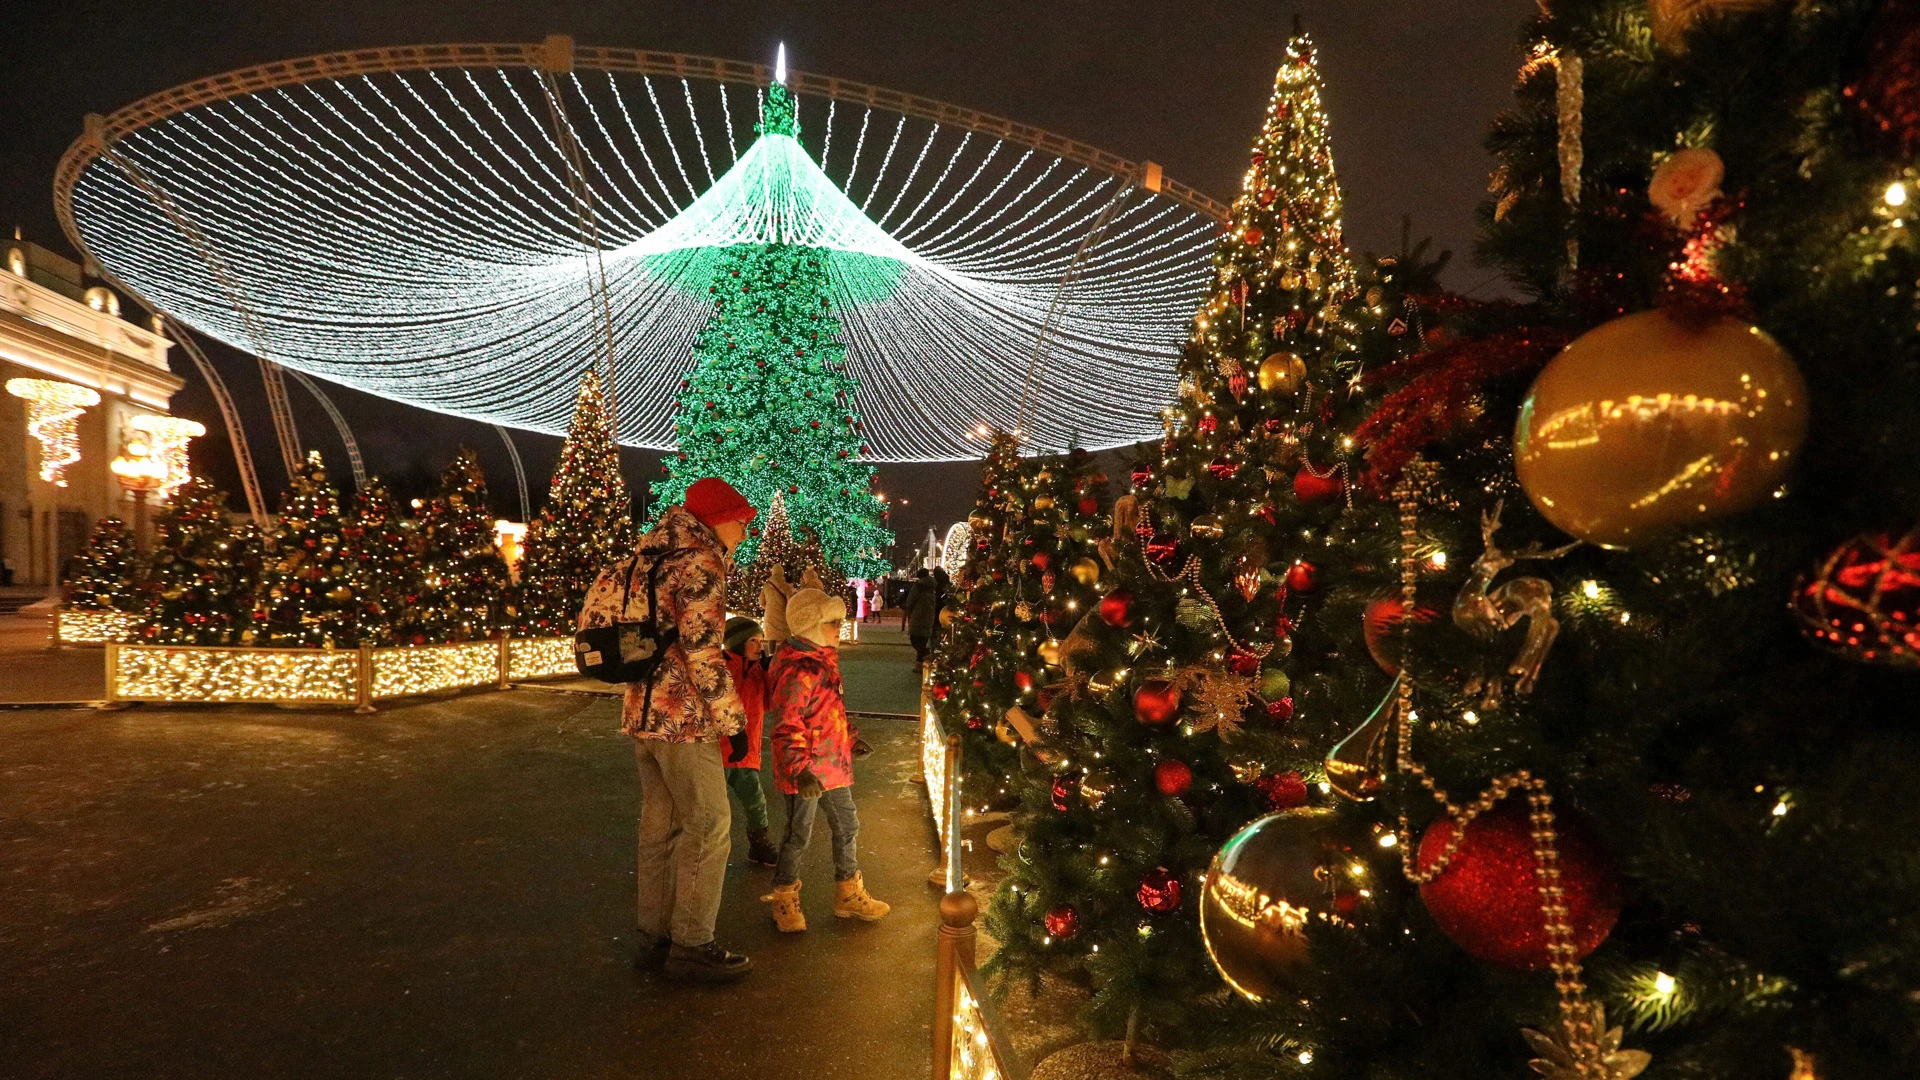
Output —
<point x="1159" y="891"/>
<point x="1284" y="791"/>
<point x="1156" y="703"/>
<point x="1310" y="488"/>
<point x="1062" y="922"/>
<point x="1089" y="506"/>
<point x="1116" y="609"/>
<point x="1487" y="899"/>
<point x="1173" y="777"/>
<point x="1300" y="576"/>
<point x="1380" y="624"/>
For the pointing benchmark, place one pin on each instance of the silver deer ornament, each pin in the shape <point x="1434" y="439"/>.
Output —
<point x="1484" y="612"/>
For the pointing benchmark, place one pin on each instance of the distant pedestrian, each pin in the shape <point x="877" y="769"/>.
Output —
<point x="747" y="662"/>
<point x="813" y="760"/>
<point x="921" y="614"/>
<point x="677" y="722"/>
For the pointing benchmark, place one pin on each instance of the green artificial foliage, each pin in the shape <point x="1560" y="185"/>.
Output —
<point x="1751" y="790"/>
<point x="460" y="584"/>
<point x="1174" y="722"/>
<point x="380" y="541"/>
<point x="1022" y="589"/>
<point x="105" y="576"/>
<point x="199" y="585"/>
<point x="768" y="405"/>
<point x="313" y="592"/>
<point x="585" y="527"/>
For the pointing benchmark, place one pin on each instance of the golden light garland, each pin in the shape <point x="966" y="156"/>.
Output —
<point x="53" y="418"/>
<point x="82" y="627"/>
<point x="973" y="1054"/>
<point x="168" y="436"/>
<point x="423" y="669"/>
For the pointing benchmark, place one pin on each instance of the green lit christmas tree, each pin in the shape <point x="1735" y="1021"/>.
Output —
<point x="199" y="588"/>
<point x="105" y="575"/>
<point x="313" y="592"/>
<point x="768" y="406"/>
<point x="460" y="584"/>
<point x="585" y="526"/>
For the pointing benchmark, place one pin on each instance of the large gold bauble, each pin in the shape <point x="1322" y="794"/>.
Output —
<point x="1265" y="886"/>
<point x="979" y="523"/>
<point x="1207" y="527"/>
<point x="1086" y="571"/>
<point x="1043" y="502"/>
<point x="947" y="616"/>
<point x="1049" y="653"/>
<point x="1282" y="373"/>
<point x="1646" y="424"/>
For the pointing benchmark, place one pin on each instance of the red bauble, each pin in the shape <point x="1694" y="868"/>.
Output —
<point x="1062" y="922"/>
<point x="1156" y="703"/>
<point x="1141" y="477"/>
<point x="1088" y="506"/>
<point x="976" y="723"/>
<point x="1309" y="488"/>
<point x="1208" y="424"/>
<point x="1284" y="791"/>
<point x="1254" y="235"/>
<point x="1023" y="680"/>
<point x="1379" y="625"/>
<point x="1162" y="549"/>
<point x="1889" y="94"/>
<point x="1116" y="609"/>
<point x="1280" y="711"/>
<point x="1222" y="469"/>
<point x="1487" y="899"/>
<point x="1173" y="777"/>
<point x="1041" y="559"/>
<point x="1062" y="791"/>
<point x="1863" y="600"/>
<point x="1300" y="576"/>
<point x="1159" y="891"/>
<point x="1242" y="662"/>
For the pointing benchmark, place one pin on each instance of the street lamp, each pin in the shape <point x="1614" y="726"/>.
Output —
<point x="141" y="472"/>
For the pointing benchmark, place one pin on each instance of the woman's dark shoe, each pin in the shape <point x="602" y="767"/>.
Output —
<point x="706" y="963"/>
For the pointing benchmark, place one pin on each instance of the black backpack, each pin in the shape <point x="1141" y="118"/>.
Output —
<point x="629" y="652"/>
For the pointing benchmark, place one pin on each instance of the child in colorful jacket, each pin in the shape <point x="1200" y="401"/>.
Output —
<point x="746" y="652"/>
<point x="813" y="759"/>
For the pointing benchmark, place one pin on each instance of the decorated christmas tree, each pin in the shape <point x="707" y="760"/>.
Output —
<point x="460" y="583"/>
<point x="380" y="541"/>
<point x="1032" y="572"/>
<point x="1634" y="787"/>
<point x="313" y="592"/>
<point x="769" y="404"/>
<point x="777" y="546"/>
<point x="1173" y="722"/>
<point x="105" y="575"/>
<point x="586" y="525"/>
<point x="199" y="587"/>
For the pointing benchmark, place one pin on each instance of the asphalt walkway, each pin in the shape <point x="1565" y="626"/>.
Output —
<point x="442" y="889"/>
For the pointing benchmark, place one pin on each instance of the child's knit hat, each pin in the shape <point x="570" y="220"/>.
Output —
<point x="808" y="608"/>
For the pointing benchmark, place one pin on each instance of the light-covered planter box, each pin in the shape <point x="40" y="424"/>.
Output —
<point x="227" y="674"/>
<point x="79" y="627"/>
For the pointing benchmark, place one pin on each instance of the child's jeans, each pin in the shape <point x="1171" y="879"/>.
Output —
<point x="841" y="819"/>
<point x="745" y="785"/>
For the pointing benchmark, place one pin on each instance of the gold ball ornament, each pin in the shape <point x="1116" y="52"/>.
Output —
<point x="1049" y="653"/>
<point x="340" y="593"/>
<point x="1282" y="373"/>
<point x="1086" y="571"/>
<point x="1268" y="883"/>
<point x="1647" y="424"/>
<point x="1043" y="502"/>
<point x="1005" y="732"/>
<point x="1207" y="527"/>
<point x="979" y="523"/>
<point x="946" y="616"/>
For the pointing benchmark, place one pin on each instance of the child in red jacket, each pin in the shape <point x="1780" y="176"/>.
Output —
<point x="746" y="655"/>
<point x="813" y="759"/>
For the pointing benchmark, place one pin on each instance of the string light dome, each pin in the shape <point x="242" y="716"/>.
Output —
<point x="411" y="222"/>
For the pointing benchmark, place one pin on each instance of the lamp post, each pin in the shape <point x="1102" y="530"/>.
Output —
<point x="141" y="472"/>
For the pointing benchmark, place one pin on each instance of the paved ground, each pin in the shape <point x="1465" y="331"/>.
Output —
<point x="443" y="889"/>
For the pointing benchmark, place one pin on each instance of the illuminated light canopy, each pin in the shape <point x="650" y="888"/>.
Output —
<point x="53" y="418"/>
<point x="410" y="231"/>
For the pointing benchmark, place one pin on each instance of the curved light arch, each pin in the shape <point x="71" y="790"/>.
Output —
<point x="402" y="223"/>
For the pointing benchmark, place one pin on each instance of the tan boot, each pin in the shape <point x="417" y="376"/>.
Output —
<point x="786" y="908"/>
<point x="852" y="902"/>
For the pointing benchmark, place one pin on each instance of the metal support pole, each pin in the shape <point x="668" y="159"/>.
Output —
<point x="363" y="680"/>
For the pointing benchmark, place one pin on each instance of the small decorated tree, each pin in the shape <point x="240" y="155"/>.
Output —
<point x="313" y="592"/>
<point x="380" y="541"/>
<point x="105" y="575"/>
<point x="585" y="526"/>
<point x="199" y="588"/>
<point x="460" y="581"/>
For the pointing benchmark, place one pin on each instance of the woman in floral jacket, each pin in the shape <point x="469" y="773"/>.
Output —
<point x="813" y="759"/>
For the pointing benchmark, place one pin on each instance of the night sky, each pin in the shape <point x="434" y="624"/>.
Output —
<point x="1411" y="87"/>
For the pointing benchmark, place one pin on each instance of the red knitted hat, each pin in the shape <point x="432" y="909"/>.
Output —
<point x="715" y="503"/>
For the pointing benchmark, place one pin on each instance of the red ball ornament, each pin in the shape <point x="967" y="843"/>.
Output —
<point x="1041" y="559"/>
<point x="1280" y="711"/>
<point x="976" y="723"/>
<point x="1380" y="625"/>
<point x="1300" y="576"/>
<point x="1159" y="891"/>
<point x="1162" y="549"/>
<point x="1284" y="791"/>
<point x="1242" y="662"/>
<point x="1863" y="600"/>
<point x="1089" y="505"/>
<point x="1309" y="488"/>
<point x="1116" y="609"/>
<point x="1062" y="791"/>
<point x="1173" y="777"/>
<point x="1156" y="703"/>
<point x="1141" y="477"/>
<point x="1487" y="899"/>
<point x="1208" y="424"/>
<point x="1023" y="680"/>
<point x="1254" y="235"/>
<point x="1062" y="922"/>
<point x="1222" y="469"/>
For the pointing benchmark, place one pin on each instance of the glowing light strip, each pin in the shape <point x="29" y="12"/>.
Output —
<point x="412" y="236"/>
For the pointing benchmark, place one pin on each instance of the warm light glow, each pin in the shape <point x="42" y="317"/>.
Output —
<point x="1590" y="589"/>
<point x="1896" y="194"/>
<point x="168" y="437"/>
<point x="53" y="418"/>
<point x="1388" y="840"/>
<point x="208" y="674"/>
<point x="1663" y="984"/>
